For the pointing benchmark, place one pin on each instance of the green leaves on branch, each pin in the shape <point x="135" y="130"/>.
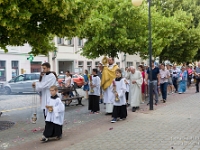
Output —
<point x="19" y="21"/>
<point x="117" y="26"/>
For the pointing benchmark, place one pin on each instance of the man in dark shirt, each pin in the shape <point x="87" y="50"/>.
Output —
<point x="155" y="80"/>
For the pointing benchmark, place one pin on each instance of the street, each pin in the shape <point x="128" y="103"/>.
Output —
<point x="173" y="125"/>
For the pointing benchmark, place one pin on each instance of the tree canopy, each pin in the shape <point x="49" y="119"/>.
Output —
<point x="117" y="26"/>
<point x="37" y="22"/>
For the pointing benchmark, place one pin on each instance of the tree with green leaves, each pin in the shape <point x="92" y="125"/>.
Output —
<point x="117" y="26"/>
<point x="37" y="22"/>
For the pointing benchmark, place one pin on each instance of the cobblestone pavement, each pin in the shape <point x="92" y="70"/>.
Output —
<point x="173" y="125"/>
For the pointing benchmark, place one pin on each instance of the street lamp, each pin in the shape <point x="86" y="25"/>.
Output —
<point x="138" y="3"/>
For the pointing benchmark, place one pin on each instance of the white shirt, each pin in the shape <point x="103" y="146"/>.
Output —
<point x="96" y="82"/>
<point x="57" y="116"/>
<point x="175" y="72"/>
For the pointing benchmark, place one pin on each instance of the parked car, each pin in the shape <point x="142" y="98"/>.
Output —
<point x="21" y="83"/>
<point x="77" y="79"/>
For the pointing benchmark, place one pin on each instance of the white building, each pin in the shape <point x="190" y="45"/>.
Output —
<point x="68" y="57"/>
<point x="15" y="62"/>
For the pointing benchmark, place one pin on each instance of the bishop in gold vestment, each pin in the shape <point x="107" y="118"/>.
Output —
<point x="108" y="75"/>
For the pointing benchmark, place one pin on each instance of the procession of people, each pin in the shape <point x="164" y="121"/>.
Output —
<point x="116" y="89"/>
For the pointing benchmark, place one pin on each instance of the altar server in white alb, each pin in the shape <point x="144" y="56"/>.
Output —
<point x="94" y="93"/>
<point x="55" y="116"/>
<point x="48" y="80"/>
<point x="135" y="94"/>
<point x="119" y="89"/>
<point x="108" y="75"/>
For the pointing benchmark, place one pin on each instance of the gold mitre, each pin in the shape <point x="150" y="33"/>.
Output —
<point x="105" y="60"/>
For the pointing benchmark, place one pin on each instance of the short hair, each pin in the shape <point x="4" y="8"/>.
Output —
<point x="163" y="64"/>
<point x="68" y="71"/>
<point x="54" y="87"/>
<point x="46" y="64"/>
<point x="113" y="59"/>
<point x="95" y="70"/>
<point x="119" y="70"/>
<point x="152" y="61"/>
<point x="86" y="71"/>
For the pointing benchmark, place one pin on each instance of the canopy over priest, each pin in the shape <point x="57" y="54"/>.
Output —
<point x="108" y="75"/>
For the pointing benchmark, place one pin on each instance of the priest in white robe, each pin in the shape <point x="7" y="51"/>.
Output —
<point x="48" y="80"/>
<point x="108" y="75"/>
<point x="135" y="94"/>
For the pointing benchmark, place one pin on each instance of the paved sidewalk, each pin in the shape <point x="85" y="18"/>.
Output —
<point x="173" y="125"/>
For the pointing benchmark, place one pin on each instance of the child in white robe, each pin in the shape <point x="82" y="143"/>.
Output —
<point x="119" y="88"/>
<point x="94" y="93"/>
<point x="55" y="116"/>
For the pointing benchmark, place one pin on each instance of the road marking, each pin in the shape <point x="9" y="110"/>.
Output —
<point x="22" y="108"/>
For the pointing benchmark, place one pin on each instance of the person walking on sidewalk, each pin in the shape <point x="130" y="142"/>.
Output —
<point x="197" y="77"/>
<point x="135" y="94"/>
<point x="48" y="80"/>
<point x="55" y="116"/>
<point x="155" y="80"/>
<point x="86" y="85"/>
<point x="119" y="89"/>
<point x="94" y="93"/>
<point x="175" y="72"/>
<point x="141" y="69"/>
<point x="127" y="82"/>
<point x="182" y="79"/>
<point x="100" y="66"/>
<point x="170" y="83"/>
<point x="164" y="76"/>
<point x="108" y="75"/>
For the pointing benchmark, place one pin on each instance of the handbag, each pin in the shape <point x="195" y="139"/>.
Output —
<point x="179" y="79"/>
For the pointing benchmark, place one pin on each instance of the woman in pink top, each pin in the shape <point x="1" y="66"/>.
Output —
<point x="141" y="69"/>
<point x="190" y="72"/>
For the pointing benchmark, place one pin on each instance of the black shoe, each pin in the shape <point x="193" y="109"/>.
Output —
<point x="1" y="114"/>
<point x="196" y="92"/>
<point x="164" y="100"/>
<point x="108" y="114"/>
<point x="44" y="139"/>
<point x="133" y="109"/>
<point x="147" y="104"/>
<point x="156" y="103"/>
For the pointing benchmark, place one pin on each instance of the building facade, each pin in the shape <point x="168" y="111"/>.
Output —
<point x="68" y="57"/>
<point x="14" y="62"/>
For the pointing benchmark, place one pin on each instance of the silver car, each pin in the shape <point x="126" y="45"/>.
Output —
<point x="21" y="83"/>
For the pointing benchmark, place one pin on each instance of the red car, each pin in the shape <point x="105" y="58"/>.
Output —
<point x="77" y="79"/>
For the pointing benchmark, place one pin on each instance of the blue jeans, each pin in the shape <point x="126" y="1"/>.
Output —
<point x="163" y="88"/>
